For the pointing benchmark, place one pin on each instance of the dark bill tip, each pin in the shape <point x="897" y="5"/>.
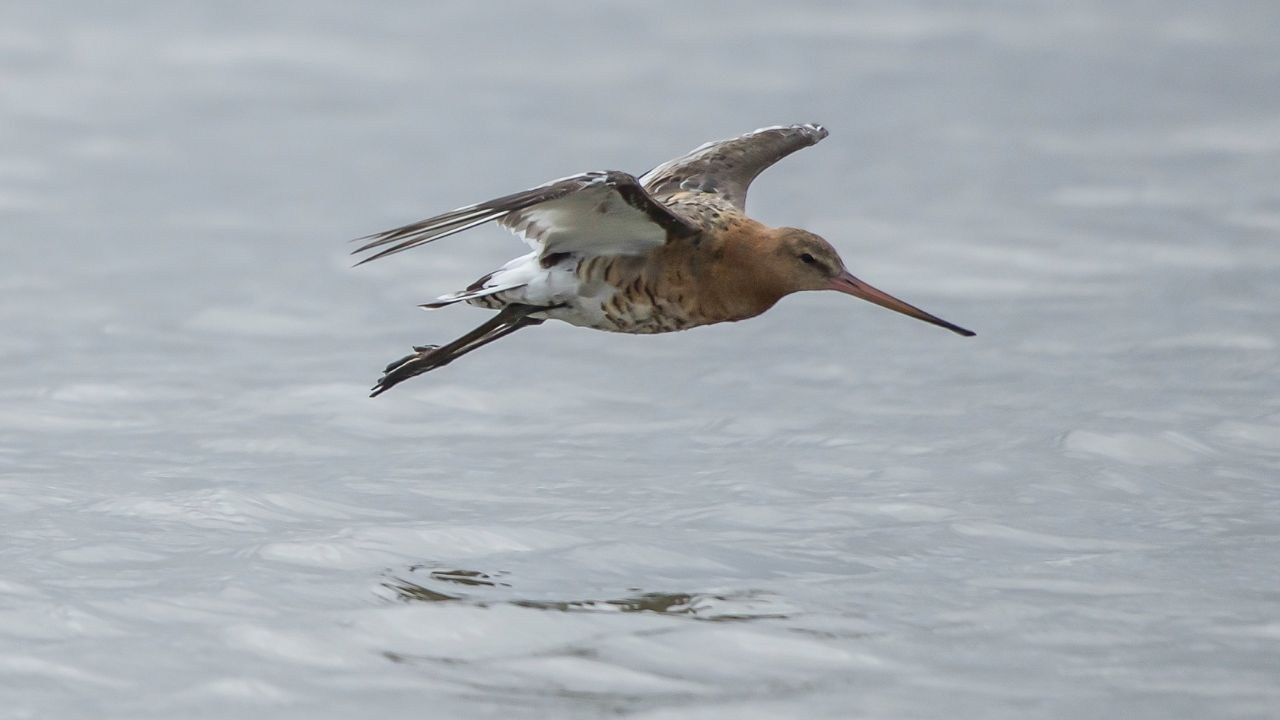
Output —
<point x="847" y="283"/>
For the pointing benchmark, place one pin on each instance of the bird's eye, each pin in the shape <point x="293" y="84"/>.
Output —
<point x="808" y="259"/>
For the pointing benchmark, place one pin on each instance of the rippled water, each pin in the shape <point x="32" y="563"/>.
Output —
<point x="830" y="511"/>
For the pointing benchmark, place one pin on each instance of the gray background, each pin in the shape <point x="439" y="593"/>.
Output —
<point x="829" y="511"/>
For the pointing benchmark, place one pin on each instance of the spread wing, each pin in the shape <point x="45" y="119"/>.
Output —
<point x="600" y="213"/>
<point x="726" y="168"/>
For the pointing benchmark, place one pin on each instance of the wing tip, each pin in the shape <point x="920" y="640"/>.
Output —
<point x="814" y="131"/>
<point x="811" y="131"/>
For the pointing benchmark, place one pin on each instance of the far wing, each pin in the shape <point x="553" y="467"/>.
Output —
<point x="604" y="212"/>
<point x="727" y="167"/>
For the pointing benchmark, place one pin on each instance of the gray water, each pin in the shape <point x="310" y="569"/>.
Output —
<point x="831" y="511"/>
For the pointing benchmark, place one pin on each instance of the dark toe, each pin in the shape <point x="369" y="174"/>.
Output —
<point x="397" y="363"/>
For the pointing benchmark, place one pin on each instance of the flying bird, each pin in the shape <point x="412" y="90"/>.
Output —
<point x="670" y="250"/>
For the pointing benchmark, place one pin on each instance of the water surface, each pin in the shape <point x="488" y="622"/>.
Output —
<point x="831" y="511"/>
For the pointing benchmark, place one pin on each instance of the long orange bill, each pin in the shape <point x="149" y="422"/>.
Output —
<point x="847" y="283"/>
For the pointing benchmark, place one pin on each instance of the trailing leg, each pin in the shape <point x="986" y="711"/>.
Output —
<point x="430" y="357"/>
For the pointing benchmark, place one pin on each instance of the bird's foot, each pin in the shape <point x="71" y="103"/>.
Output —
<point x="418" y="351"/>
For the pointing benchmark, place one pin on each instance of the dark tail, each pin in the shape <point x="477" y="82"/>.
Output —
<point x="429" y="357"/>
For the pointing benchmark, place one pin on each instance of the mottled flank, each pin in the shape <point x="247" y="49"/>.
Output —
<point x="669" y="251"/>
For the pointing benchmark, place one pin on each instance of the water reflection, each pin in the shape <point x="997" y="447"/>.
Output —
<point x="715" y="607"/>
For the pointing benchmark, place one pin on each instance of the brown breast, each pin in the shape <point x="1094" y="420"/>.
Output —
<point x="718" y="276"/>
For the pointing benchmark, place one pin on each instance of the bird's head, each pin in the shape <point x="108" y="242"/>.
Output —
<point x="805" y="261"/>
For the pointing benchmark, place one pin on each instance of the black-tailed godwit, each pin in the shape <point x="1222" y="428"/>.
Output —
<point x="670" y="250"/>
